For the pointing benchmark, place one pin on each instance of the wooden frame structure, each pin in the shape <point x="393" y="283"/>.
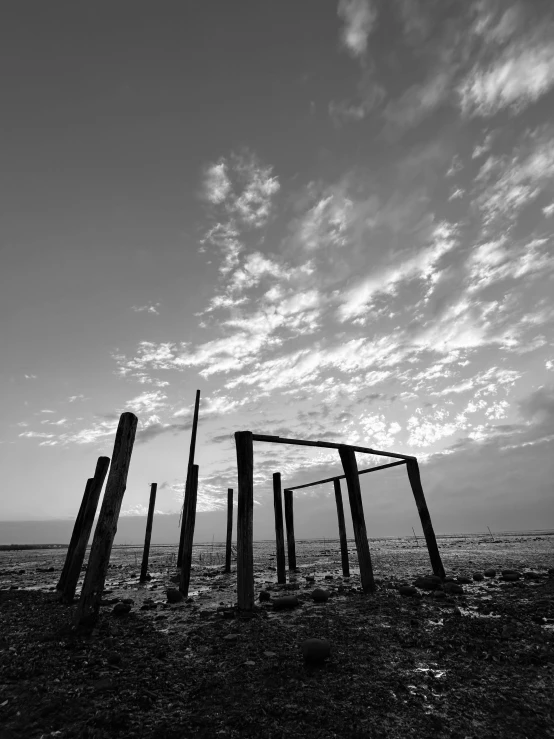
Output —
<point x="245" y="469"/>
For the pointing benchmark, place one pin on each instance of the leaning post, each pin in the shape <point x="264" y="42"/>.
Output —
<point x="289" y="523"/>
<point x="229" y="530"/>
<point x="74" y="535"/>
<point x="190" y="519"/>
<point x="189" y="476"/>
<point x="342" y="529"/>
<point x="245" y="516"/>
<point x="148" y="535"/>
<point x="279" y="534"/>
<point x="425" y="518"/>
<point x="95" y="577"/>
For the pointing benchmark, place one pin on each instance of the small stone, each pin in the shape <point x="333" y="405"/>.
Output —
<point x="510" y="576"/>
<point x="287" y="601"/>
<point x="478" y="576"/>
<point x="269" y="655"/>
<point x="316" y="651"/>
<point x="121" y="609"/>
<point x="264" y="596"/>
<point x="453" y="588"/>
<point x="462" y="580"/>
<point x="490" y="572"/>
<point x="511" y="572"/>
<point x="328" y="577"/>
<point x="439" y="595"/>
<point x="310" y="578"/>
<point x="427" y="583"/>
<point x="407" y="590"/>
<point x="449" y="578"/>
<point x="45" y="569"/>
<point x="231" y="638"/>
<point x="250" y="663"/>
<point x="531" y="575"/>
<point x="130" y="601"/>
<point x="174" y="595"/>
<point x="320" y="596"/>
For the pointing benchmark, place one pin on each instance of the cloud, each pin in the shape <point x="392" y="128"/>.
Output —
<point x="142" y="510"/>
<point x="359" y="18"/>
<point x="30" y="377"/>
<point x="418" y="101"/>
<point x="36" y="435"/>
<point x="147" y="402"/>
<point x="73" y="398"/>
<point x="217" y="185"/>
<point x="150" y="308"/>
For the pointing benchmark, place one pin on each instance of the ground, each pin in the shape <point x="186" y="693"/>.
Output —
<point x="479" y="664"/>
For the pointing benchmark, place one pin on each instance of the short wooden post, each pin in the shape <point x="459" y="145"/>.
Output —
<point x="348" y="459"/>
<point x="95" y="577"/>
<point x="229" y="529"/>
<point x="74" y="567"/>
<point x="342" y="529"/>
<point x="279" y="534"/>
<point x="148" y="536"/>
<point x="190" y="519"/>
<point x="74" y="535"/>
<point x="245" y="518"/>
<point x="289" y="523"/>
<point x="425" y="518"/>
<point x="189" y="476"/>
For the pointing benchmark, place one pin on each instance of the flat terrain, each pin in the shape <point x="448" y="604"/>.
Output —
<point x="475" y="664"/>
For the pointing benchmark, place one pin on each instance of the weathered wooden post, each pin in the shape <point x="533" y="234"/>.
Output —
<point x="95" y="577"/>
<point x="189" y="477"/>
<point x="148" y="536"/>
<point x="190" y="519"/>
<point x="425" y="518"/>
<point x="289" y="523"/>
<point x="279" y="534"/>
<point x="229" y="529"/>
<point x="74" y="567"/>
<point x="245" y="516"/>
<point x="342" y="529"/>
<point x="348" y="459"/>
<point x="74" y="535"/>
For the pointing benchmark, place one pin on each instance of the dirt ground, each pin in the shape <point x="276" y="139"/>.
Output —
<point x="477" y="664"/>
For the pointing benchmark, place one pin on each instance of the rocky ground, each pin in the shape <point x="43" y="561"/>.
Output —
<point x="472" y="658"/>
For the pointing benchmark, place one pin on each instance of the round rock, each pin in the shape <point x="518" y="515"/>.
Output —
<point x="121" y="609"/>
<point x="287" y="601"/>
<point x="264" y="596"/>
<point x="316" y="651"/>
<point x="174" y="595"/>
<point x="462" y="580"/>
<point x="478" y="576"/>
<point x="320" y="596"/>
<point x="407" y="590"/>
<point x="490" y="572"/>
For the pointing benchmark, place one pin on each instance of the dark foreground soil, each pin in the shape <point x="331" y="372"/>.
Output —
<point x="478" y="664"/>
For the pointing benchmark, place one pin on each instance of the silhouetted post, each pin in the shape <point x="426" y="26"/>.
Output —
<point x="74" y="535"/>
<point x="342" y="530"/>
<point x="95" y="576"/>
<point x="190" y="520"/>
<point x="229" y="529"/>
<point x="148" y="536"/>
<point x="74" y="568"/>
<point x="425" y="518"/>
<point x="289" y="523"/>
<point x="245" y="517"/>
<point x="348" y="459"/>
<point x="189" y="476"/>
<point x="279" y="534"/>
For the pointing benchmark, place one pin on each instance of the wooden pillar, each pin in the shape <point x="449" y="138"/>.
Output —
<point x="189" y="516"/>
<point x="78" y="557"/>
<point x="148" y="536"/>
<point x="348" y="459"/>
<point x="289" y="523"/>
<point x="95" y="577"/>
<point x="279" y="534"/>
<point x="189" y="477"/>
<point x="229" y="529"/>
<point x="74" y="535"/>
<point x="342" y="529"/>
<point x="245" y="516"/>
<point x="425" y="518"/>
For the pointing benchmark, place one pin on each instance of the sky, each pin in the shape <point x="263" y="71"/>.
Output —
<point x="333" y="218"/>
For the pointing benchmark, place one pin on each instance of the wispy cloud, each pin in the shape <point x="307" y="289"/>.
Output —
<point x="359" y="18"/>
<point x="149" y="308"/>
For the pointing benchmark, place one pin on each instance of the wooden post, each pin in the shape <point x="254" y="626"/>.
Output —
<point x="415" y="481"/>
<point x="348" y="459"/>
<point x="189" y="477"/>
<point x="342" y="529"/>
<point x="279" y="534"/>
<point x="245" y="516"/>
<point x="415" y="537"/>
<point x="95" y="577"/>
<point x="229" y="529"/>
<point x="74" y="535"/>
<point x="74" y="567"/>
<point x="289" y="523"/>
<point x="189" y="516"/>
<point x="148" y="536"/>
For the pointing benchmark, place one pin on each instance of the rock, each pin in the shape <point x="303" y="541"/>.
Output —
<point x="149" y="607"/>
<point x="427" y="583"/>
<point x="316" y="651"/>
<point x="130" y="601"/>
<point x="269" y="654"/>
<point x="449" y="578"/>
<point x="328" y="577"/>
<point x="511" y="572"/>
<point x="231" y="638"/>
<point x="113" y="658"/>
<point x="531" y="575"/>
<point x="45" y="569"/>
<point x="121" y="609"/>
<point x="287" y="601"/>
<point x="490" y="572"/>
<point x="310" y="578"/>
<point x="174" y="595"/>
<point x="439" y="595"/>
<point x="407" y="590"/>
<point x="462" y="580"/>
<point x="478" y="576"/>
<point x="320" y="596"/>
<point x="511" y="576"/>
<point x="452" y="588"/>
<point x="264" y="596"/>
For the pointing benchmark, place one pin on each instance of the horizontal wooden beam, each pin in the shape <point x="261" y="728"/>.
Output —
<point x="341" y="477"/>
<point x="329" y="445"/>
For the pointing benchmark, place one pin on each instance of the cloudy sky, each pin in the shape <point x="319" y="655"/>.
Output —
<point x="334" y="219"/>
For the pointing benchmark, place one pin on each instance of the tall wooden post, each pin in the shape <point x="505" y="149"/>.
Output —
<point x="190" y="520"/>
<point x="348" y="459"/>
<point x="229" y="529"/>
<point x="74" y="535"/>
<point x="289" y="523"/>
<point x="74" y="567"/>
<point x="95" y="577"/>
<point x="279" y="534"/>
<point x="425" y="518"/>
<point x="189" y="476"/>
<point x="148" y="536"/>
<point x="245" y="517"/>
<point x="342" y="529"/>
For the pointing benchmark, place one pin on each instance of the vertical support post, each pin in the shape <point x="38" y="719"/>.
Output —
<point x="289" y="523"/>
<point x="279" y="534"/>
<point x="74" y="535"/>
<point x="189" y="476"/>
<point x="425" y="518"/>
<point x="229" y="529"/>
<point x="189" y="520"/>
<point x="95" y="577"/>
<point x="74" y="567"/>
<point x="342" y="529"/>
<point x="148" y="535"/>
<point x="348" y="459"/>
<point x="245" y="516"/>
